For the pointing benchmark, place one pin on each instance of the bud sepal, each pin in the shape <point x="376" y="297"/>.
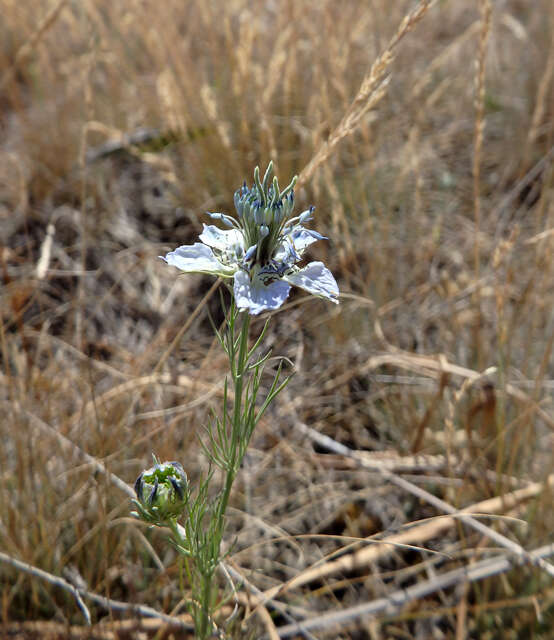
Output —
<point x="162" y="493"/>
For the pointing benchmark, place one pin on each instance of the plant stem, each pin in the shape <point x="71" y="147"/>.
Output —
<point x="205" y="607"/>
<point x="238" y="360"/>
<point x="201" y="541"/>
<point x="236" y="428"/>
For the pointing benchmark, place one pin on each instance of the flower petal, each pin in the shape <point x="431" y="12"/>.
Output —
<point x="286" y="254"/>
<point x="302" y="237"/>
<point x="221" y="238"/>
<point x="255" y="297"/>
<point x="197" y="258"/>
<point x="316" y="279"/>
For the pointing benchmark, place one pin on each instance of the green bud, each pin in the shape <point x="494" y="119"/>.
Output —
<point x="162" y="493"/>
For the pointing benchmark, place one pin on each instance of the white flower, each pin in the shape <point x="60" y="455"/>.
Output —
<point x="260" y="250"/>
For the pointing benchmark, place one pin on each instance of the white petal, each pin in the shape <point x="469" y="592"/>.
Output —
<point x="221" y="238"/>
<point x="316" y="279"/>
<point x="286" y="253"/>
<point x="256" y="297"/>
<point x="302" y="238"/>
<point x="197" y="258"/>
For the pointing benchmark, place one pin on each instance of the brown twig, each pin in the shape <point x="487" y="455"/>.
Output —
<point x="391" y="603"/>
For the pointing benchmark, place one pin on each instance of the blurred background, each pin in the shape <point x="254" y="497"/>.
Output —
<point x="121" y="124"/>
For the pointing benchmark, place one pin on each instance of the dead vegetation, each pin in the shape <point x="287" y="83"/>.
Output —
<point x="424" y="136"/>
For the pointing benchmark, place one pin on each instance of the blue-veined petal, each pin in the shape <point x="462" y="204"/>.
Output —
<point x="221" y="239"/>
<point x="302" y="237"/>
<point x="286" y="253"/>
<point x="316" y="279"/>
<point x="256" y="297"/>
<point x="197" y="258"/>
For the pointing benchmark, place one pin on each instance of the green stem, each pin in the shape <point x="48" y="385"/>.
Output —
<point x="202" y="618"/>
<point x="236" y="428"/>
<point x="205" y="545"/>
<point x="205" y="607"/>
<point x="239" y="364"/>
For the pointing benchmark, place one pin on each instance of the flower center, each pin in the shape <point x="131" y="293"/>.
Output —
<point x="263" y="211"/>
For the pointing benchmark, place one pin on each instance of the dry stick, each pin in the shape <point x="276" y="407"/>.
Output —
<point x="417" y="534"/>
<point x="98" y="599"/>
<point x="500" y="539"/>
<point x="371" y="91"/>
<point x="123" y="141"/>
<point x="391" y="603"/>
<point x="106" y="629"/>
<point x="44" y="575"/>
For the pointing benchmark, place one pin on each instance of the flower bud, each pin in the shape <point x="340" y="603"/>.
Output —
<point x="258" y="212"/>
<point x="162" y="493"/>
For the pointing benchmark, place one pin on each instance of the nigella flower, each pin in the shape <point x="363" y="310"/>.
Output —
<point x="260" y="248"/>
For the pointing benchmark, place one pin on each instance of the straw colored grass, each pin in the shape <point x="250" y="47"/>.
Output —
<point x="423" y="133"/>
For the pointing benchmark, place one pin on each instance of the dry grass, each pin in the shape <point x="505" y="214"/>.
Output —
<point x="426" y="141"/>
